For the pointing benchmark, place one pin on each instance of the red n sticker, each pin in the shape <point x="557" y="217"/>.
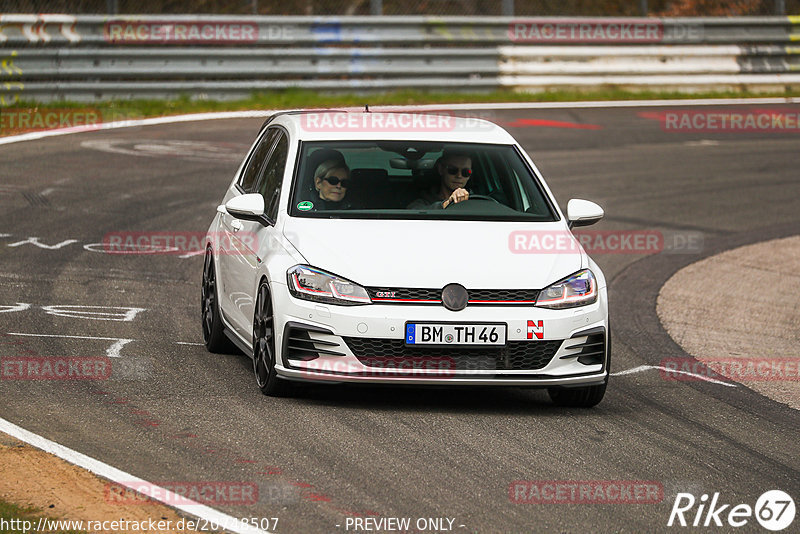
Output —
<point x="536" y="327"/>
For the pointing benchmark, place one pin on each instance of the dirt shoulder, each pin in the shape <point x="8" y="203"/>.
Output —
<point x="737" y="312"/>
<point x="31" y="477"/>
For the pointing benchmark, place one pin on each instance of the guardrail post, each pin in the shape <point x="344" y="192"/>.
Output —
<point x="112" y="6"/>
<point x="643" y="7"/>
<point x="376" y="7"/>
<point x="780" y="7"/>
<point x="508" y="8"/>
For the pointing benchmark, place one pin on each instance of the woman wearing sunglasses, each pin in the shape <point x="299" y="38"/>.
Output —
<point x="331" y="180"/>
<point x="455" y="170"/>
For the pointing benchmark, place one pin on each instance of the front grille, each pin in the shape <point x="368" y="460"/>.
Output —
<point x="401" y="295"/>
<point x="515" y="356"/>
<point x="404" y="293"/>
<point x="530" y="354"/>
<point x="504" y="295"/>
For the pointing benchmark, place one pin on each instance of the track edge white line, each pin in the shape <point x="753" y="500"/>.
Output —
<point x="103" y="470"/>
<point x="641" y="368"/>
<point x="33" y="136"/>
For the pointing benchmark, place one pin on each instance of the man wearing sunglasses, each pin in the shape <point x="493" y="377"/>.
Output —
<point x="455" y="170"/>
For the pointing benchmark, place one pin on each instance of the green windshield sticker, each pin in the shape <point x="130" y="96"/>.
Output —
<point x="305" y="205"/>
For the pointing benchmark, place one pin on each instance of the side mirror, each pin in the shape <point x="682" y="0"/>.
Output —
<point x="248" y="207"/>
<point x="583" y="212"/>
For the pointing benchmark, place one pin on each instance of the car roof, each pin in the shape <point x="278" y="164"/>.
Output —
<point x="338" y="125"/>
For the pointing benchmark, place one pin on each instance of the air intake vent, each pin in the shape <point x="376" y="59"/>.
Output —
<point x="298" y="345"/>
<point x="592" y="349"/>
<point x="516" y="356"/>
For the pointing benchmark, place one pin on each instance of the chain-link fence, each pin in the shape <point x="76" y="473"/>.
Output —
<point x="529" y="8"/>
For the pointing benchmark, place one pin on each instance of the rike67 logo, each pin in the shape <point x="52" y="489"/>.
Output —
<point x="774" y="510"/>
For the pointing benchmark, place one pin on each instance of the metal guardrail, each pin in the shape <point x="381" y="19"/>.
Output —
<point x="53" y="57"/>
<point x="93" y="30"/>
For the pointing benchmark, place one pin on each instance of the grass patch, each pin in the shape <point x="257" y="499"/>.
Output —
<point x="12" y="515"/>
<point x="301" y="98"/>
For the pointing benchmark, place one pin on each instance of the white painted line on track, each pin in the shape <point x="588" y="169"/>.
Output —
<point x="35" y="241"/>
<point x="661" y="367"/>
<point x="226" y="522"/>
<point x="32" y="136"/>
<point x="188" y="343"/>
<point x="82" y="312"/>
<point x="112" y="352"/>
<point x="20" y="306"/>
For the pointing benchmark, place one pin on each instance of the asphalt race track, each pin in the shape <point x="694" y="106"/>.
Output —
<point x="173" y="412"/>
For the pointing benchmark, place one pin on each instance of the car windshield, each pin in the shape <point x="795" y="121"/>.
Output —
<point x="409" y="180"/>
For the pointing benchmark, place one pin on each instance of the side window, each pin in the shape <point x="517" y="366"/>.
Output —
<point x="247" y="180"/>
<point x="269" y="185"/>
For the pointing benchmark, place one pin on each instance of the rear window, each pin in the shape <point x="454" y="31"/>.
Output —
<point x="409" y="180"/>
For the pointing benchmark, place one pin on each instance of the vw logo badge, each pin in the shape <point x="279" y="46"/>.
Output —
<point x="454" y="297"/>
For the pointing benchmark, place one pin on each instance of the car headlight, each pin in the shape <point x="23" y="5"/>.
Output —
<point x="308" y="283"/>
<point x="576" y="290"/>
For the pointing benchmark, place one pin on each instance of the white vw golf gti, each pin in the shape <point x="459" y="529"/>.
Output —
<point x="403" y="249"/>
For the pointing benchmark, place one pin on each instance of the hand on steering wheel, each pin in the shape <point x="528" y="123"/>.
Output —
<point x="483" y="197"/>
<point x="450" y="200"/>
<point x="459" y="195"/>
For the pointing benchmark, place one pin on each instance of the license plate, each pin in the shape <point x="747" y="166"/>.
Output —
<point x="448" y="334"/>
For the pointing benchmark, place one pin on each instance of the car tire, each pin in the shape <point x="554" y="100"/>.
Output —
<point x="585" y="397"/>
<point x="213" y="335"/>
<point x="264" y="353"/>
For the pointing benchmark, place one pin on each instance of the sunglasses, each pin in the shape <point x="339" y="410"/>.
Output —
<point x="333" y="180"/>
<point x="466" y="172"/>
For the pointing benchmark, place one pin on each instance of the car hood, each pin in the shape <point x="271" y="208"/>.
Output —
<point x="434" y="253"/>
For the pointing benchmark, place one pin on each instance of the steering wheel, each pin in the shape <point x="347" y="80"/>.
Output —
<point x="476" y="197"/>
<point x="483" y="197"/>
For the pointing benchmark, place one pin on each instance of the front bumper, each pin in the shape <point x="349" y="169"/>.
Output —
<point x="364" y="344"/>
